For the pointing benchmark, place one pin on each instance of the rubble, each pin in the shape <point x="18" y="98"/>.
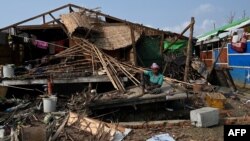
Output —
<point x="98" y="52"/>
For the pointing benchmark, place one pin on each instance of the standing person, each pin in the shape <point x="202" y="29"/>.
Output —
<point x="154" y="79"/>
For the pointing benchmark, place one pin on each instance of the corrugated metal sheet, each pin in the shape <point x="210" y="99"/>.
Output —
<point x="240" y="64"/>
<point x="228" y="27"/>
<point x="241" y="76"/>
<point x="239" y="60"/>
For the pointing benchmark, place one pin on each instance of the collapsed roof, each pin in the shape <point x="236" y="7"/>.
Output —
<point x="78" y="15"/>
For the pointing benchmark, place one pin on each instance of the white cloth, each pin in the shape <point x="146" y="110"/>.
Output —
<point x="237" y="38"/>
<point x="25" y="39"/>
<point x="161" y="137"/>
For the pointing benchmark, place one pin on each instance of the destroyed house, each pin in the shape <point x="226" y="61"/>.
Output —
<point x="78" y="74"/>
<point x="116" y="36"/>
<point x="76" y="48"/>
<point x="28" y="43"/>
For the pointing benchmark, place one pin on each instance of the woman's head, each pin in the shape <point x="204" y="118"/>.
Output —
<point x="155" y="68"/>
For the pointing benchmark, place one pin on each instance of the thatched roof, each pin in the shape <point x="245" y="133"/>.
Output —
<point x="75" y="20"/>
<point x="114" y="37"/>
<point x="108" y="36"/>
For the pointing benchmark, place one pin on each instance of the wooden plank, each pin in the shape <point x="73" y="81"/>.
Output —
<point x="153" y="124"/>
<point x="93" y="79"/>
<point x="39" y="27"/>
<point x="178" y="81"/>
<point x="136" y="101"/>
<point x="59" y="130"/>
<point x="89" y="125"/>
<point x="230" y="79"/>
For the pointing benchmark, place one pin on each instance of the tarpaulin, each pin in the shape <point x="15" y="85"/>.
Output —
<point x="176" y="46"/>
<point x="148" y="51"/>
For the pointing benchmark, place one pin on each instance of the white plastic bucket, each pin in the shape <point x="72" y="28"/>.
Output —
<point x="8" y="71"/>
<point x="1" y="132"/>
<point x="49" y="104"/>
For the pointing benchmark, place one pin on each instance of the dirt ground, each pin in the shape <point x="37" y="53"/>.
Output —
<point x="233" y="108"/>
<point x="187" y="133"/>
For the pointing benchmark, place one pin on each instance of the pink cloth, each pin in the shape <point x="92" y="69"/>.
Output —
<point x="41" y="44"/>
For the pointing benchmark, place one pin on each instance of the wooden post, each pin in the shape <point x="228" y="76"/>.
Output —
<point x="44" y="21"/>
<point x="133" y="44"/>
<point x="60" y="24"/>
<point x="162" y="44"/>
<point x="142" y="83"/>
<point x="89" y="87"/>
<point x="230" y="80"/>
<point x="216" y="59"/>
<point x="189" y="50"/>
<point x="70" y="9"/>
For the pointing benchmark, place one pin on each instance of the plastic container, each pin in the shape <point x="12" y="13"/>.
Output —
<point x="8" y="71"/>
<point x="49" y="104"/>
<point x="215" y="100"/>
<point x="2" y="132"/>
<point x="198" y="86"/>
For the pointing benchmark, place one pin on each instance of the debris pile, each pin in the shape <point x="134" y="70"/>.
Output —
<point x="95" y="51"/>
<point x="86" y="56"/>
<point x="26" y="120"/>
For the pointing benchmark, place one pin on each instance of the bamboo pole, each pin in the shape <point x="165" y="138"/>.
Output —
<point x="133" y="45"/>
<point x="105" y="68"/>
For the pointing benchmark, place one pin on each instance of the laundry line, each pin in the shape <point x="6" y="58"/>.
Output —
<point x="49" y="43"/>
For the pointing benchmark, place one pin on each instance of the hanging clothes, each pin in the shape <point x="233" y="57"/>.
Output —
<point x="41" y="44"/>
<point x="25" y="39"/>
<point x="239" y="41"/>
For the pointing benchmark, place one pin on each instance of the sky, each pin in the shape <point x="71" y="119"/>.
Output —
<point x="170" y="15"/>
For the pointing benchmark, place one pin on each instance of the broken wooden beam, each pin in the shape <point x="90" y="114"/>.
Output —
<point x="98" y="128"/>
